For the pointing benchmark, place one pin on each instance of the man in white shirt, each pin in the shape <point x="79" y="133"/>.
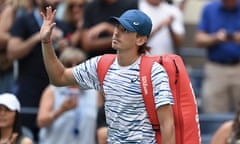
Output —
<point x="168" y="27"/>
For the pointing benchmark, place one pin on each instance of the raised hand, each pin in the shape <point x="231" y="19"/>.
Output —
<point x="48" y="24"/>
<point x="12" y="139"/>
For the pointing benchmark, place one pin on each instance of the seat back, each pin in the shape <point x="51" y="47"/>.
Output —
<point x="27" y="132"/>
<point x="209" y="123"/>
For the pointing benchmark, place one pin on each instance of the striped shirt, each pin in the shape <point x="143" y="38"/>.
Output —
<point x="126" y="114"/>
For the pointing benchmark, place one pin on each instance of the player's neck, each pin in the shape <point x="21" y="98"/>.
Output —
<point x="126" y="58"/>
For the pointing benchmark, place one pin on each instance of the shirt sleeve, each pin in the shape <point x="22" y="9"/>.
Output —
<point x="86" y="74"/>
<point x="161" y="87"/>
<point x="178" y="23"/>
<point x="18" y="28"/>
<point x="204" y="20"/>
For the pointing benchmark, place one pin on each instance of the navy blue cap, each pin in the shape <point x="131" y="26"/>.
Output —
<point x="135" y="21"/>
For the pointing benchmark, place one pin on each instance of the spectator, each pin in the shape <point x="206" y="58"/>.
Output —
<point x="98" y="33"/>
<point x="179" y="3"/>
<point x="24" y="45"/>
<point x="68" y="114"/>
<point x="219" y="32"/>
<point x="73" y="15"/>
<point x="229" y="131"/>
<point x="10" y="10"/>
<point x="124" y="105"/>
<point x="168" y="27"/>
<point x="10" y="121"/>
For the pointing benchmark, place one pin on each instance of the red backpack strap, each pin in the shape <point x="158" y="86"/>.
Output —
<point x="147" y="92"/>
<point x="103" y="65"/>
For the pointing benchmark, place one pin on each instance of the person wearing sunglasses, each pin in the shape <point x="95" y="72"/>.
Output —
<point x="73" y="16"/>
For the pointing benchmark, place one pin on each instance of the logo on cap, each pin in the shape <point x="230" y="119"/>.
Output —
<point x="136" y="23"/>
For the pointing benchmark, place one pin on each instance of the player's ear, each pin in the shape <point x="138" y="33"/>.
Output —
<point x="141" y="40"/>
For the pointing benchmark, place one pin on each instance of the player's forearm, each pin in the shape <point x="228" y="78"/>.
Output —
<point x="53" y="66"/>
<point x="168" y="133"/>
<point x="166" y="120"/>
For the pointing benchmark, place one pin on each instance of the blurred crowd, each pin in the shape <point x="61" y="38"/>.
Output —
<point x="70" y="115"/>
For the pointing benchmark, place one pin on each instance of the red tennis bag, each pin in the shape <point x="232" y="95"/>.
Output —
<point x="187" y="130"/>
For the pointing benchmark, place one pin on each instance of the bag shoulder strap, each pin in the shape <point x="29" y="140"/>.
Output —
<point x="147" y="92"/>
<point x="103" y="65"/>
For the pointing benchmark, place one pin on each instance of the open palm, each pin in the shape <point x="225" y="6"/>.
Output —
<point x="48" y="24"/>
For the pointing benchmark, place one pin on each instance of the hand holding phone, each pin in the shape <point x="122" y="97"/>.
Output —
<point x="229" y="36"/>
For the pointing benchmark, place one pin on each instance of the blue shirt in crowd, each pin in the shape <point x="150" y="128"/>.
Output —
<point x="214" y="18"/>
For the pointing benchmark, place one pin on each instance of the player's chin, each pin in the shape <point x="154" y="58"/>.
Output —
<point x="115" y="46"/>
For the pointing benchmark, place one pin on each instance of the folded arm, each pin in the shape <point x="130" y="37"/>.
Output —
<point x="47" y="114"/>
<point x="204" y="39"/>
<point x="92" y="40"/>
<point x="6" y="21"/>
<point x="19" y="48"/>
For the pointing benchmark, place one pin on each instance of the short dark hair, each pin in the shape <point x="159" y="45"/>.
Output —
<point x="143" y="49"/>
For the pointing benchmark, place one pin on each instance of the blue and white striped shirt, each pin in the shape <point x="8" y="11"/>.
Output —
<point x="126" y="114"/>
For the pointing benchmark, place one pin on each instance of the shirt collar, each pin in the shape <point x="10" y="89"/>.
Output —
<point x="221" y="6"/>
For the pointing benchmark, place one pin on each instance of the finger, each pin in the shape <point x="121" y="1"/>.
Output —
<point x="13" y="138"/>
<point x="48" y="11"/>
<point x="53" y="15"/>
<point x="43" y="15"/>
<point x="52" y="26"/>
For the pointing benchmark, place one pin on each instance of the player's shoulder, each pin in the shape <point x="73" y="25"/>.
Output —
<point x="157" y="65"/>
<point x="157" y="69"/>
<point x="94" y="60"/>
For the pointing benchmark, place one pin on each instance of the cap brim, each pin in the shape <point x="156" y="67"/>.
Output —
<point x="8" y="106"/>
<point x="123" y="22"/>
<point x="10" y="101"/>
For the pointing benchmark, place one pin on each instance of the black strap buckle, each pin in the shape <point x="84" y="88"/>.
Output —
<point x="156" y="127"/>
